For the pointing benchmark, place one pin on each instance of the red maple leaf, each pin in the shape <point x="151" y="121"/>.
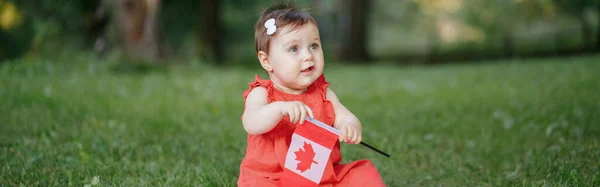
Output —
<point x="305" y="157"/>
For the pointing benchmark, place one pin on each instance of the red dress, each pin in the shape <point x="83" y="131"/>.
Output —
<point x="265" y="153"/>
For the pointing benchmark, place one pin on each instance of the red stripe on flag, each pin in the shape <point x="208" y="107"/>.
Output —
<point x="317" y="134"/>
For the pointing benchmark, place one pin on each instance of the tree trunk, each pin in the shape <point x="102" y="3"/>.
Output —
<point x="140" y="29"/>
<point x="508" y="43"/>
<point x="586" y="31"/>
<point x="598" y="37"/>
<point x="598" y="29"/>
<point x="433" y="44"/>
<point x="97" y="20"/>
<point x="327" y="25"/>
<point x="557" y="41"/>
<point x="209" y="31"/>
<point x="354" y="45"/>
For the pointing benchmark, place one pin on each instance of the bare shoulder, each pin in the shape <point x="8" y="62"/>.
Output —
<point x="257" y="91"/>
<point x="257" y="95"/>
<point x="332" y="96"/>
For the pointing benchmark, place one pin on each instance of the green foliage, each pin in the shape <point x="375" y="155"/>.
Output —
<point x="178" y="28"/>
<point x="575" y="7"/>
<point x="406" y="28"/>
<point x="510" y="123"/>
<point x="491" y="16"/>
<point x="15" y="42"/>
<point x="15" y="33"/>
<point x="48" y="27"/>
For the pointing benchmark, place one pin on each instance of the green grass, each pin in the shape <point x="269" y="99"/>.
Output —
<point x="511" y="123"/>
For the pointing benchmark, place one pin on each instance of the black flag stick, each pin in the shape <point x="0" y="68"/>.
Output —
<point x="374" y="149"/>
<point x="334" y="130"/>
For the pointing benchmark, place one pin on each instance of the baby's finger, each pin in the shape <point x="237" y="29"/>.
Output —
<point x="298" y="113"/>
<point x="310" y="112"/>
<point x="350" y="134"/>
<point x="343" y="134"/>
<point x="355" y="138"/>
<point x="359" y="139"/>
<point x="302" y="114"/>
<point x="293" y="115"/>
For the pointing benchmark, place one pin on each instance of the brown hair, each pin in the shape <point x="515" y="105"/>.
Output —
<point x="284" y="14"/>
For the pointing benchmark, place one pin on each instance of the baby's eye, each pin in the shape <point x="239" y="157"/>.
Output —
<point x="314" y="46"/>
<point x="293" y="49"/>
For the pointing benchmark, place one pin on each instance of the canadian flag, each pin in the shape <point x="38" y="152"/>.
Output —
<point x="308" y="153"/>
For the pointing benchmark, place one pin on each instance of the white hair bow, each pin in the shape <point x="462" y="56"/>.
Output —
<point x="270" y="25"/>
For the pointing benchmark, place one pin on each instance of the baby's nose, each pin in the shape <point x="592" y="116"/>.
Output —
<point x="308" y="55"/>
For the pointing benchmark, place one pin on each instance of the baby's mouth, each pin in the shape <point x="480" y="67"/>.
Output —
<point x="309" y="69"/>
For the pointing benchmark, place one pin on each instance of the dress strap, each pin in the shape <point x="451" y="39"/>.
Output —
<point x="267" y="84"/>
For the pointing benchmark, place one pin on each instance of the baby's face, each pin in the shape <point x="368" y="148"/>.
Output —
<point x="296" y="56"/>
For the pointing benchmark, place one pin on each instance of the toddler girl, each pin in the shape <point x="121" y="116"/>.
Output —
<point x="289" y="49"/>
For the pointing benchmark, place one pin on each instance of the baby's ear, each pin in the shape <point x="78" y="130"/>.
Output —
<point x="263" y="58"/>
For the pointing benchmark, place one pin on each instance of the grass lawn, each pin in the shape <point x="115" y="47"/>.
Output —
<point x="521" y="122"/>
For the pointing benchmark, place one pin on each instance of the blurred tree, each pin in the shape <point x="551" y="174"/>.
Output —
<point x="353" y="46"/>
<point x="495" y="17"/>
<point x="325" y="15"/>
<point x="597" y="5"/>
<point x="140" y="30"/>
<point x="434" y="14"/>
<point x="97" y="19"/>
<point x="209" y="31"/>
<point x="401" y="31"/>
<point x="10" y="16"/>
<point x="577" y="9"/>
<point x="53" y="23"/>
<point x="15" y="31"/>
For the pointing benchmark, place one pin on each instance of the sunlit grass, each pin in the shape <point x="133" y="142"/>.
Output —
<point x="529" y="122"/>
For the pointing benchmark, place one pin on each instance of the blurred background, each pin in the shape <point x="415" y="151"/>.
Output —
<point x="221" y="32"/>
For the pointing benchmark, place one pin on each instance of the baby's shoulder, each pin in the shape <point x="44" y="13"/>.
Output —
<point x="258" y="86"/>
<point x="256" y="92"/>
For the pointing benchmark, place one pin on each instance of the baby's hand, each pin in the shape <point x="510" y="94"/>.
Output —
<point x="297" y="111"/>
<point x="351" y="134"/>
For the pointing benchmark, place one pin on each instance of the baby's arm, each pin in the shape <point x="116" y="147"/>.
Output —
<point x="345" y="121"/>
<point x="260" y="117"/>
